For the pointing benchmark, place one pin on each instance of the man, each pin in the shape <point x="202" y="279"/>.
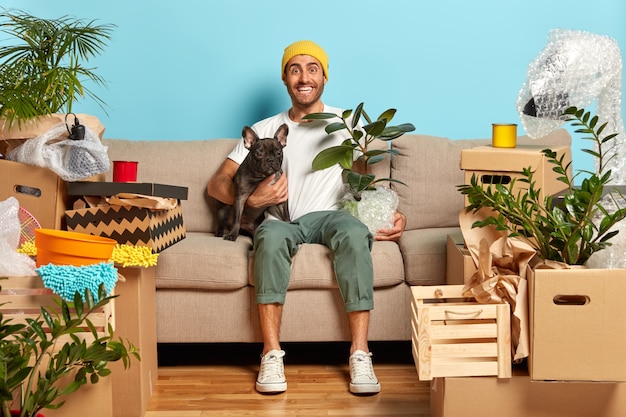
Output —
<point x="313" y="198"/>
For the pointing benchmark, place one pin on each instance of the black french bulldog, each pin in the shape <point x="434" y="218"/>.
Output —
<point x="264" y="159"/>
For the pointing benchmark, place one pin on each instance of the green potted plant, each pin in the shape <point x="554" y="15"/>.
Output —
<point x="569" y="227"/>
<point x="357" y="148"/>
<point x="36" y="372"/>
<point x="44" y="71"/>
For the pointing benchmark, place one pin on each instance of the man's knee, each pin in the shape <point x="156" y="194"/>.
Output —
<point x="351" y="232"/>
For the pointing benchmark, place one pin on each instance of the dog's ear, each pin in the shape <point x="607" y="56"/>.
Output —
<point x="249" y="137"/>
<point x="281" y="134"/>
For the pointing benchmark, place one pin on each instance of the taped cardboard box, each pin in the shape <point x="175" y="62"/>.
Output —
<point x="577" y="324"/>
<point x="157" y="229"/>
<point x="502" y="165"/>
<point x="136" y="321"/>
<point x="520" y="397"/>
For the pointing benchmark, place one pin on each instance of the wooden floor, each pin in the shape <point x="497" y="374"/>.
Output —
<point x="209" y="380"/>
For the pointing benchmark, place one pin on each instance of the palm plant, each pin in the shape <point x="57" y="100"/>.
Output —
<point x="44" y="71"/>
<point x="569" y="227"/>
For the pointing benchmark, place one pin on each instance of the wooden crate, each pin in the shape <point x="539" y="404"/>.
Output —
<point x="457" y="336"/>
<point x="23" y="297"/>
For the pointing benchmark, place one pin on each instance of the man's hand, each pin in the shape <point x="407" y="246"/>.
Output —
<point x="393" y="234"/>
<point x="268" y="194"/>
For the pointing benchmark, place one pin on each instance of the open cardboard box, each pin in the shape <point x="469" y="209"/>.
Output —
<point x="39" y="190"/>
<point x="577" y="324"/>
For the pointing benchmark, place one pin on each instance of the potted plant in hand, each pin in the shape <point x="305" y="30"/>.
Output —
<point x="39" y="365"/>
<point x="44" y="72"/>
<point x="362" y="185"/>
<point x="569" y="227"/>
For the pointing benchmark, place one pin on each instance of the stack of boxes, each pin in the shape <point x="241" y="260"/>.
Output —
<point x="577" y="326"/>
<point x="126" y="393"/>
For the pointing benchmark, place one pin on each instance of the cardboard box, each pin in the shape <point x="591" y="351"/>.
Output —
<point x="454" y="335"/>
<point x="520" y="397"/>
<point x="501" y="165"/>
<point x="21" y="298"/>
<point x="459" y="263"/>
<point x="97" y="399"/>
<point x="39" y="190"/>
<point x="11" y="138"/>
<point x="577" y="324"/>
<point x="157" y="229"/>
<point x="136" y="321"/>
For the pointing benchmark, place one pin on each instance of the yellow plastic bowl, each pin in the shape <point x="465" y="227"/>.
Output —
<point x="60" y="247"/>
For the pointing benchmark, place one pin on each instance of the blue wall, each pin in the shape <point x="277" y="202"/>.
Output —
<point x="197" y="69"/>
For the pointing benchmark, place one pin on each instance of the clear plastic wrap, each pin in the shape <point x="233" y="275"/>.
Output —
<point x="375" y="209"/>
<point x="12" y="263"/>
<point x="578" y="68"/>
<point x="575" y="68"/>
<point x="72" y="160"/>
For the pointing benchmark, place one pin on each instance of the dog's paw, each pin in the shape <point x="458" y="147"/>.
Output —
<point x="230" y="237"/>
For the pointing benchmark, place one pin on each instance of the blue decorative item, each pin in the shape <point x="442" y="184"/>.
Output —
<point x="65" y="280"/>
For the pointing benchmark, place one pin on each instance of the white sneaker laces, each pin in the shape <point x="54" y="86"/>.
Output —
<point x="362" y="368"/>
<point x="272" y="366"/>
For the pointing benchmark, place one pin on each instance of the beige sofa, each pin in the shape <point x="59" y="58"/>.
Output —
<point x="204" y="288"/>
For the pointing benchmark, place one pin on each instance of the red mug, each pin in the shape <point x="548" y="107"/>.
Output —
<point x="125" y="171"/>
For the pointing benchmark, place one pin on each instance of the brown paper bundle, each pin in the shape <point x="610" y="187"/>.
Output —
<point x="501" y="274"/>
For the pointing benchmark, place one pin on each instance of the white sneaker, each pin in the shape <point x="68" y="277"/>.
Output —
<point x="363" y="378"/>
<point x="271" y="379"/>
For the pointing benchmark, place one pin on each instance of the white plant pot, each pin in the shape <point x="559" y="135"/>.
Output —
<point x="375" y="209"/>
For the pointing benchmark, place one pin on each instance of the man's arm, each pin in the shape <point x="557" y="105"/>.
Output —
<point x="221" y="187"/>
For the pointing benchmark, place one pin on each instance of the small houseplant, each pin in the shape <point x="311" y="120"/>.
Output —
<point x="356" y="147"/>
<point x="569" y="227"/>
<point x="33" y="366"/>
<point x="44" y="71"/>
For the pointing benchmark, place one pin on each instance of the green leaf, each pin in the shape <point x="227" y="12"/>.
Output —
<point x="319" y="116"/>
<point x="334" y="127"/>
<point x="375" y="128"/>
<point x="359" y="182"/>
<point x="331" y="156"/>
<point x="357" y="115"/>
<point x="387" y="115"/>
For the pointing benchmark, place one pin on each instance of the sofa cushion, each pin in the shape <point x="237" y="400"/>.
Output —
<point x="424" y="255"/>
<point x="312" y="267"/>
<point x="431" y="169"/>
<point x="205" y="262"/>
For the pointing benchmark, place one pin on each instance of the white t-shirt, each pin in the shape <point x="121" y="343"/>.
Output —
<point x="309" y="190"/>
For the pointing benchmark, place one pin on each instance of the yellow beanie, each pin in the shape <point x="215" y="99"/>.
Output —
<point x="305" y="48"/>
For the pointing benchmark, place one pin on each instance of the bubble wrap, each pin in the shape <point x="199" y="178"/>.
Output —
<point x="12" y="263"/>
<point x="576" y="68"/>
<point x="72" y="160"/>
<point x="376" y="208"/>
